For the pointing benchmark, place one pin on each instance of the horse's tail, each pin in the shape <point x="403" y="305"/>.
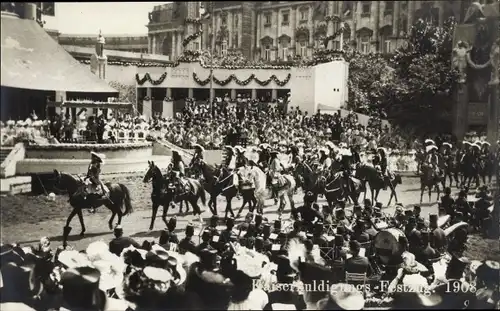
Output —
<point x="202" y="194"/>
<point x="128" y="202"/>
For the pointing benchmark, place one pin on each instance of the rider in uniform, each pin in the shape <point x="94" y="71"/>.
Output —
<point x="197" y="157"/>
<point x="229" y="165"/>
<point x="382" y="165"/>
<point x="275" y="166"/>
<point x="432" y="159"/>
<point x="93" y="172"/>
<point x="241" y="160"/>
<point x="325" y="162"/>
<point x="178" y="170"/>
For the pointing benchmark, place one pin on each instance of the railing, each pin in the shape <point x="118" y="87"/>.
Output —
<point x="8" y="166"/>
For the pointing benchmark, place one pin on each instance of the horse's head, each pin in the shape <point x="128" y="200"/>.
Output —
<point x="152" y="173"/>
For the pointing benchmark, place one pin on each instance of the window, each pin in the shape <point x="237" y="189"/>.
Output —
<point x="303" y="48"/>
<point x="267" y="19"/>
<point x="389" y="7"/>
<point x="267" y="52"/>
<point x="304" y="15"/>
<point x="285" y="18"/>
<point x="235" y="41"/>
<point x="235" y="21"/>
<point x="224" y="48"/>
<point x="224" y="20"/>
<point x="284" y="53"/>
<point x="387" y="46"/>
<point x="365" y="45"/>
<point x="196" y="46"/>
<point x="336" y="45"/>
<point x="366" y="8"/>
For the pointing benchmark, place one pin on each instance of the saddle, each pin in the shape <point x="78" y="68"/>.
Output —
<point x="91" y="188"/>
<point x="278" y="181"/>
<point x="184" y="185"/>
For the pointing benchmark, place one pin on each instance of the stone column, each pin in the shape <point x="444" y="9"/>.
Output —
<point x="411" y="12"/>
<point x="293" y="26"/>
<point x="212" y="93"/>
<point x="240" y="29"/>
<point x="190" y="92"/>
<point x="233" y="93"/>
<point x="153" y="45"/>
<point x="274" y="94"/>
<point x="460" y="113"/>
<point x="150" y="45"/>
<point x="310" y="25"/>
<point x="169" y="92"/>
<point x="440" y="5"/>
<point x="395" y="19"/>
<point x="493" y="115"/>
<point x="180" y="48"/>
<point x="230" y="29"/>
<point x="173" y="46"/>
<point x="259" y="25"/>
<point x="254" y="93"/>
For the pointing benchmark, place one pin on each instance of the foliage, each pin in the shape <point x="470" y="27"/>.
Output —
<point x="126" y="93"/>
<point x="424" y="80"/>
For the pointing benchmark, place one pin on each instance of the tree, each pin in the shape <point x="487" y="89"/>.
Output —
<point x="424" y="79"/>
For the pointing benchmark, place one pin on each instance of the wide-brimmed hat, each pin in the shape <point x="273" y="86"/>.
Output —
<point x="382" y="149"/>
<point x="447" y="145"/>
<point x="73" y="259"/>
<point x="274" y="152"/>
<point x="430" y="147"/>
<point x="476" y="146"/>
<point x="198" y="146"/>
<point x="230" y="148"/>
<point x="342" y="297"/>
<point x="429" y="142"/>
<point x="99" y="156"/>
<point x="486" y="143"/>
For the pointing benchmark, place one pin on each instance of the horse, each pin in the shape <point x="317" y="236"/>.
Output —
<point x="470" y="170"/>
<point x="450" y="169"/>
<point x="118" y="201"/>
<point x="310" y="179"/>
<point x="162" y="193"/>
<point x="247" y="190"/>
<point x="367" y="173"/>
<point x="429" y="180"/>
<point x="334" y="188"/>
<point x="190" y="193"/>
<point x="282" y="185"/>
<point x="419" y="158"/>
<point x="486" y="167"/>
<point x="218" y="181"/>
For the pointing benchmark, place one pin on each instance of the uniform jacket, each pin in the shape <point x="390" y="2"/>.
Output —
<point x="179" y="167"/>
<point x="93" y="172"/>
<point x="231" y="162"/>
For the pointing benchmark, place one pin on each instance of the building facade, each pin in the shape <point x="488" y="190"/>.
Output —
<point x="280" y="30"/>
<point x="126" y="43"/>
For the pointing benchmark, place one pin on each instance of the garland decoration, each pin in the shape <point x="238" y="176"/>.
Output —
<point x="191" y="37"/>
<point x="148" y="78"/>
<point x="326" y="40"/>
<point x="477" y="66"/>
<point x="89" y="147"/>
<point x="245" y="82"/>
<point x="194" y="21"/>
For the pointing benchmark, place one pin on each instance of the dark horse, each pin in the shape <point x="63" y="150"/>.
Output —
<point x="218" y="181"/>
<point x="309" y="179"/>
<point x="336" y="187"/>
<point x="162" y="193"/>
<point x="367" y="173"/>
<point x="449" y="166"/>
<point x="429" y="180"/>
<point x="118" y="202"/>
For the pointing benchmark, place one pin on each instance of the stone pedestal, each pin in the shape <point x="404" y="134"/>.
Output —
<point x="147" y="108"/>
<point x="460" y="113"/>
<point x="168" y="109"/>
<point x="274" y="94"/>
<point x="493" y="115"/>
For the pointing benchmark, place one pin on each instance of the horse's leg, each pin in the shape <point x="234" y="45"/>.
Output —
<point x="243" y="205"/>
<point x="110" y="222"/>
<point x="253" y="200"/>
<point x="290" y="198"/>
<point x="165" y="213"/>
<point x="154" y="210"/>
<point x="430" y="192"/>
<point x="364" y="188"/>
<point x="71" y="215"/>
<point x="229" y="208"/>
<point x="372" y="193"/>
<point x="438" y="192"/>
<point x="187" y="205"/>
<point x="196" y="209"/>
<point x="422" y="189"/>
<point x="377" y="192"/>
<point x="80" y="217"/>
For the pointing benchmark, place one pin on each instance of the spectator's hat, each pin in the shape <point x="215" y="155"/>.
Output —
<point x="72" y="259"/>
<point x="230" y="221"/>
<point x="342" y="297"/>
<point x="274" y="152"/>
<point x="476" y="145"/>
<point x="239" y="149"/>
<point x="28" y="122"/>
<point x="189" y="231"/>
<point x="80" y="286"/>
<point x="489" y="272"/>
<point x="429" y="142"/>
<point x="330" y="144"/>
<point x="11" y="123"/>
<point x="20" y="123"/>
<point x="229" y="148"/>
<point x="172" y="224"/>
<point x="323" y="150"/>
<point x="99" y="156"/>
<point x="19" y="282"/>
<point x="447" y="145"/>
<point x="456" y="267"/>
<point x="486" y="143"/>
<point x="382" y="149"/>
<point x="199" y="147"/>
<point x="466" y="143"/>
<point x="430" y="147"/>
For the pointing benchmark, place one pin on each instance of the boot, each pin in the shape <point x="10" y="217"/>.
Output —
<point x="66" y="231"/>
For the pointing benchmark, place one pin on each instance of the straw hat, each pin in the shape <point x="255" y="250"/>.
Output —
<point x="486" y="143"/>
<point x="73" y="259"/>
<point x="429" y="142"/>
<point x="430" y="147"/>
<point x="447" y="144"/>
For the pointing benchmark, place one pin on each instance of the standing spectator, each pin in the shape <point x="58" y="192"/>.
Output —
<point x="120" y="242"/>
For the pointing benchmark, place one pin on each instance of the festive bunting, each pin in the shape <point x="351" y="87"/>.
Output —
<point x="148" y="78"/>
<point x="245" y="82"/>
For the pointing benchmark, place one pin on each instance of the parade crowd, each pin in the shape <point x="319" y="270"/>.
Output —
<point x="313" y="261"/>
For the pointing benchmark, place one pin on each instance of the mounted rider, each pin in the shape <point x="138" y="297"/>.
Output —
<point x="275" y="169"/>
<point x="240" y="159"/>
<point x="264" y="156"/>
<point x="325" y="163"/>
<point x="446" y="153"/>
<point x="179" y="172"/>
<point x="432" y="159"/>
<point x="96" y="186"/>
<point x="229" y="165"/>
<point x="197" y="157"/>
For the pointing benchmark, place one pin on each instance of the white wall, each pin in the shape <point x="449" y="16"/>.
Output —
<point x="122" y="74"/>
<point x="330" y="86"/>
<point x="302" y="89"/>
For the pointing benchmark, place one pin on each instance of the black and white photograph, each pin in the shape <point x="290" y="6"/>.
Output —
<point x="232" y="155"/>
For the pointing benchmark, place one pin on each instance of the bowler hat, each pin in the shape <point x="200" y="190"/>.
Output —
<point x="189" y="230"/>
